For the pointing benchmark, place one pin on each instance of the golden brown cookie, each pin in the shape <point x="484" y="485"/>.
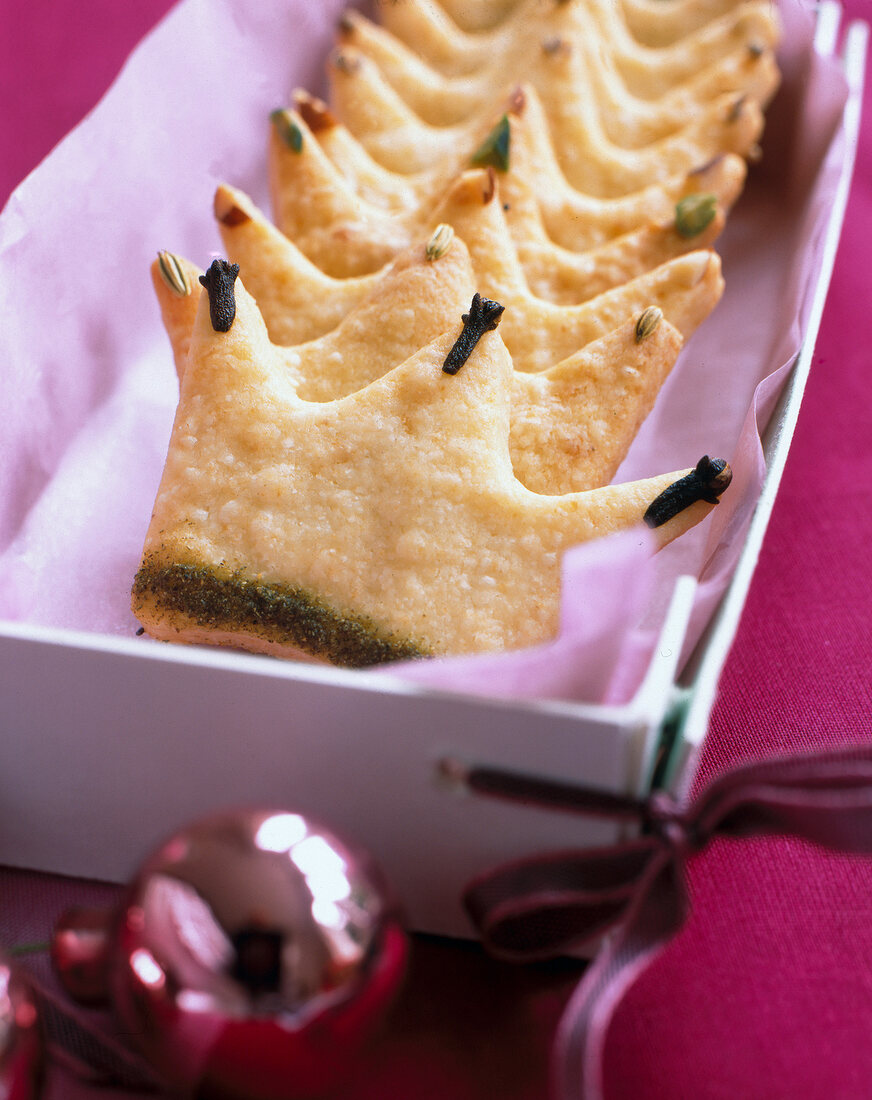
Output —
<point x="563" y="67"/>
<point x="298" y="300"/>
<point x="474" y="206"/>
<point x="647" y="67"/>
<point x="351" y="215"/>
<point x="571" y="425"/>
<point x="399" y="140"/>
<point x="539" y="333"/>
<point x="385" y="525"/>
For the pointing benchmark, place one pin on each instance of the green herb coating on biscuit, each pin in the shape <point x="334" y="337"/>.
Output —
<point x="228" y="600"/>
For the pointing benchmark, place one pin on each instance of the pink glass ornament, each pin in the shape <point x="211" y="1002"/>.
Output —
<point x="21" y="1047"/>
<point x="253" y="956"/>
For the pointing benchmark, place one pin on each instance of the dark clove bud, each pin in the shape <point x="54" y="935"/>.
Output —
<point x="706" y="481"/>
<point x="484" y="316"/>
<point x="218" y="281"/>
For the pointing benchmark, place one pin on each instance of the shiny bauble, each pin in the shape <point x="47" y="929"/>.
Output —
<point x="21" y="1046"/>
<point x="253" y="957"/>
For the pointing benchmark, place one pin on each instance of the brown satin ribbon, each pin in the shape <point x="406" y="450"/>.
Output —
<point x="547" y="905"/>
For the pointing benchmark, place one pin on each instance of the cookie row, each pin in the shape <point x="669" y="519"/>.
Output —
<point x="452" y="345"/>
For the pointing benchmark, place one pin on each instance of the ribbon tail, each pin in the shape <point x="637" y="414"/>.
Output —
<point x="658" y="912"/>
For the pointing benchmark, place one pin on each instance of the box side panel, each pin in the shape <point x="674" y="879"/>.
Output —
<point x="103" y="754"/>
<point x="706" y="664"/>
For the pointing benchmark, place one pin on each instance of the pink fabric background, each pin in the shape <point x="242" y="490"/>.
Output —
<point x="768" y="992"/>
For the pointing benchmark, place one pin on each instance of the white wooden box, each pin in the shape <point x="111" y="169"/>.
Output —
<point x="108" y="745"/>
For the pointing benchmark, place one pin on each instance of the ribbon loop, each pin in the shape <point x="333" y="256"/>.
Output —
<point x="543" y="906"/>
<point x="549" y="904"/>
<point x="825" y="799"/>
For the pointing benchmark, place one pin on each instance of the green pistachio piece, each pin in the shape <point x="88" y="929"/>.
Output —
<point x="494" y="150"/>
<point x="287" y="129"/>
<point x="694" y="213"/>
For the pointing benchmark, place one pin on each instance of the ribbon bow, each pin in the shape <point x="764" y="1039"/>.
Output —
<point x="547" y="905"/>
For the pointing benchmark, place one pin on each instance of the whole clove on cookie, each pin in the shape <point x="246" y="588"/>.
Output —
<point x="218" y="281"/>
<point x="706" y="481"/>
<point x="484" y="316"/>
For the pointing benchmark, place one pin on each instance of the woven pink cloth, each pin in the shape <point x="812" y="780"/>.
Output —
<point x="768" y="991"/>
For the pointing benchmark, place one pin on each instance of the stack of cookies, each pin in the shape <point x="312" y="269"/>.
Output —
<point x="406" y="397"/>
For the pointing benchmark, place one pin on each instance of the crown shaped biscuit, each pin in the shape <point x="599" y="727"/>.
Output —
<point x="538" y="267"/>
<point x="403" y="142"/>
<point x="748" y="71"/>
<point x="663" y="22"/>
<point x="350" y="215"/>
<point x="479" y="15"/>
<point x="384" y="525"/>
<point x="410" y="303"/>
<point x="540" y="202"/>
<point x="553" y="272"/>
<point x="650" y="22"/>
<point x="397" y="138"/>
<point x="676" y="45"/>
<point x="653" y="22"/>
<point x="649" y="70"/>
<point x="439" y="39"/>
<point x="540" y="333"/>
<point x="299" y="301"/>
<point x="317" y="205"/>
<point x="571" y="425"/>
<point x="563" y="68"/>
<point x="580" y="221"/>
